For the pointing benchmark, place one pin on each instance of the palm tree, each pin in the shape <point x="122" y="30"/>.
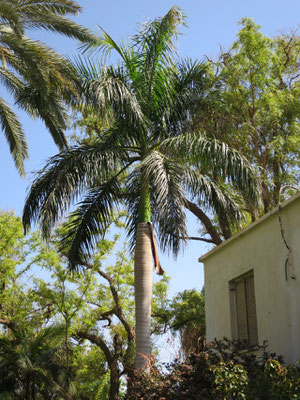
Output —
<point x="30" y="366"/>
<point x="148" y="159"/>
<point x="38" y="79"/>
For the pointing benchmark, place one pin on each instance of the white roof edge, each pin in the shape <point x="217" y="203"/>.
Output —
<point x="248" y="228"/>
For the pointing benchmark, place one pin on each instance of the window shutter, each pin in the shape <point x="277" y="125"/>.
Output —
<point x="241" y="309"/>
<point x="251" y="311"/>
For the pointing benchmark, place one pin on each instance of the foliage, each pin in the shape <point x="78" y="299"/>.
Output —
<point x="230" y="380"/>
<point x="40" y="80"/>
<point x="222" y="371"/>
<point x="184" y="314"/>
<point x="149" y="158"/>
<point x="255" y="106"/>
<point x="32" y="365"/>
<point x="60" y="331"/>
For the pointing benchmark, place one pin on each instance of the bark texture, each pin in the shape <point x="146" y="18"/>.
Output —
<point x="143" y="270"/>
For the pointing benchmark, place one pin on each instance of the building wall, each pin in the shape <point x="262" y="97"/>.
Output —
<point x="261" y="248"/>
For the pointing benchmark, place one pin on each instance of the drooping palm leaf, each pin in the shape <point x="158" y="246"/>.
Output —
<point x="14" y="135"/>
<point x="39" y="79"/>
<point x="64" y="178"/>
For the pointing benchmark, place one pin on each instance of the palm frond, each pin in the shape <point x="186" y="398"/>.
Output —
<point x="109" y="87"/>
<point x="88" y="222"/>
<point x="61" y="7"/>
<point x="60" y="24"/>
<point x="105" y="44"/>
<point x="9" y="16"/>
<point x="51" y="110"/>
<point x="155" y="43"/>
<point x="212" y="155"/>
<point x="11" y="81"/>
<point x="64" y="178"/>
<point x="167" y="197"/>
<point x="14" y="135"/>
<point x="211" y="194"/>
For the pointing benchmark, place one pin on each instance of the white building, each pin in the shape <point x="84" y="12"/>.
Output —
<point x="252" y="284"/>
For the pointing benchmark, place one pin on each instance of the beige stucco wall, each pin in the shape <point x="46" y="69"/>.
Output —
<point x="261" y="248"/>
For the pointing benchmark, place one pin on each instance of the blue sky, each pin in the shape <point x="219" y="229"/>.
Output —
<point x="211" y="24"/>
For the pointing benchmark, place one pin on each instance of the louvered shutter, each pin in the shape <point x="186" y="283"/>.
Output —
<point x="241" y="310"/>
<point x="251" y="310"/>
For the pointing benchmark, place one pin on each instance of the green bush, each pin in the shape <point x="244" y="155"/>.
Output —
<point x="224" y="371"/>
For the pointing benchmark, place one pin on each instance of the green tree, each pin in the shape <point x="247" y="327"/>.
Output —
<point x="39" y="79"/>
<point x="256" y="108"/>
<point x="149" y="158"/>
<point x="92" y="315"/>
<point x="187" y="316"/>
<point x="30" y="365"/>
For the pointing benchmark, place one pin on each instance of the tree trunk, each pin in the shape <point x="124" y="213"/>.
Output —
<point x="143" y="270"/>
<point x="211" y="230"/>
<point x="114" y="381"/>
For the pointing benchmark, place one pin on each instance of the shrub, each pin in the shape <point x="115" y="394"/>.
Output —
<point x="223" y="371"/>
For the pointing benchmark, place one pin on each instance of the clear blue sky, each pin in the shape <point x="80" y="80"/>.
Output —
<point x="211" y="24"/>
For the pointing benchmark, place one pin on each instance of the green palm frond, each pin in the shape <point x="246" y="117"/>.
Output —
<point x="88" y="222"/>
<point x="10" y="17"/>
<point x="64" y="178"/>
<point x="46" y="6"/>
<point x="52" y="111"/>
<point x="105" y="44"/>
<point x="167" y="196"/>
<point x="14" y="135"/>
<point x="13" y="84"/>
<point x="155" y="43"/>
<point x="62" y="25"/>
<point x="212" y="155"/>
<point x="211" y="194"/>
<point x="47" y="15"/>
<point x="33" y="72"/>
<point x="109" y="87"/>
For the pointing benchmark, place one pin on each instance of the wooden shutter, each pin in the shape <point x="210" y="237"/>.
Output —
<point x="245" y="309"/>
<point x="241" y="310"/>
<point x="251" y="310"/>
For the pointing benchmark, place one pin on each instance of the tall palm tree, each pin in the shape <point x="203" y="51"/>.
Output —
<point x="38" y="79"/>
<point x="148" y="159"/>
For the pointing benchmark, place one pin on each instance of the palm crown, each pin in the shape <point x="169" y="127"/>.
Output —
<point x="38" y="79"/>
<point x="149" y="158"/>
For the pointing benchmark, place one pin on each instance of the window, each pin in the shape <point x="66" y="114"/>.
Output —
<point x="243" y="309"/>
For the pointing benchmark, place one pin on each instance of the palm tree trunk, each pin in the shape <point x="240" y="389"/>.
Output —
<point x="143" y="270"/>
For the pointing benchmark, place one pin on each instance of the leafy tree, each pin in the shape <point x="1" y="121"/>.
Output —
<point x="39" y="79"/>
<point x="147" y="159"/>
<point x="187" y="316"/>
<point x="30" y="365"/>
<point x="65" y="333"/>
<point x="255" y="108"/>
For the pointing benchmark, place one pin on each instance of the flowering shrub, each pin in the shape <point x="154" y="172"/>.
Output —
<point x="221" y="372"/>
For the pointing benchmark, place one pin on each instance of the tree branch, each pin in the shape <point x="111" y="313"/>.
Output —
<point x="197" y="238"/>
<point x="118" y="311"/>
<point x="97" y="340"/>
<point x="211" y="230"/>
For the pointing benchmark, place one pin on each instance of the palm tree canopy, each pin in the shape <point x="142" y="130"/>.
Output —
<point x="38" y="79"/>
<point x="149" y="158"/>
<point x="32" y="363"/>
